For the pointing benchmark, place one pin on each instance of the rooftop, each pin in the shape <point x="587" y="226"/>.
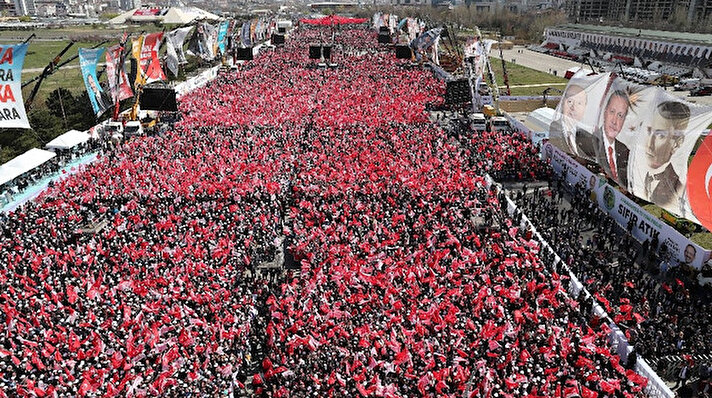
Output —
<point x="663" y="35"/>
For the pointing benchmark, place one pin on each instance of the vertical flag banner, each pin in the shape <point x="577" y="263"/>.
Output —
<point x="174" y="49"/>
<point x="88" y="58"/>
<point x="12" y="108"/>
<point x="115" y="69"/>
<point x="201" y="43"/>
<point x="149" y="62"/>
<point x="136" y="45"/>
<point x="222" y="36"/>
<point x="211" y="40"/>
<point x="245" y="34"/>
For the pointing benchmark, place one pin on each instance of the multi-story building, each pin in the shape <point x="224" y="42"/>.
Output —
<point x="25" y="7"/>
<point x="638" y="10"/>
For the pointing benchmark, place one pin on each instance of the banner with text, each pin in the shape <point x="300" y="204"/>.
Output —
<point x="12" y="108"/>
<point x="623" y="210"/>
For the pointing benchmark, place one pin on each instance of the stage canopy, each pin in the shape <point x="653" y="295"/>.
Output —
<point x="68" y="140"/>
<point x="24" y="163"/>
<point x="333" y="20"/>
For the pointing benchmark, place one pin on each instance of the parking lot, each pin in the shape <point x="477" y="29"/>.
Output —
<point x="554" y="65"/>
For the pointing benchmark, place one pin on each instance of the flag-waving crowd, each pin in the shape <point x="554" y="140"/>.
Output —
<point x="414" y="280"/>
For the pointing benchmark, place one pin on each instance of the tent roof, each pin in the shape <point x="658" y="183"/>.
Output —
<point x="68" y="140"/>
<point x="24" y="163"/>
<point x="540" y="119"/>
<point x="172" y="15"/>
<point x="183" y="15"/>
<point x="122" y="18"/>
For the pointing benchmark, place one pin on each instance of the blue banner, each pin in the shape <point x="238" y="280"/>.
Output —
<point x="222" y="36"/>
<point x="12" y="108"/>
<point x="88" y="58"/>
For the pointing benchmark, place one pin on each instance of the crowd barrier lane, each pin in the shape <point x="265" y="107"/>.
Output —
<point x="656" y="387"/>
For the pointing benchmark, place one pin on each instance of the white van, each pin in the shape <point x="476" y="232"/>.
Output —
<point x="478" y="122"/>
<point x="500" y="123"/>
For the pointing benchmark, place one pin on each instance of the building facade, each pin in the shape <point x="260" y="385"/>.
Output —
<point x="689" y="11"/>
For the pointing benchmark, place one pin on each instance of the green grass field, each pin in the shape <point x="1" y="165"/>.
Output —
<point x="523" y="76"/>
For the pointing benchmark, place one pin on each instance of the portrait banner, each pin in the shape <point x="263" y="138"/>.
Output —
<point x="642" y="138"/>
<point x="12" y="107"/>
<point x="118" y="80"/>
<point x="625" y="211"/>
<point x="576" y="115"/>
<point x="222" y="36"/>
<point x="245" y="34"/>
<point x="174" y="49"/>
<point x="88" y="59"/>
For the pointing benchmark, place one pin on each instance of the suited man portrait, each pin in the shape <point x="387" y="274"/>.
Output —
<point x="661" y="184"/>
<point x="562" y="131"/>
<point x="611" y="154"/>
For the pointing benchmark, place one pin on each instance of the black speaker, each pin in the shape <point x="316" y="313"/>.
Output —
<point x="403" y="52"/>
<point x="159" y="99"/>
<point x="384" y="38"/>
<point x="282" y="30"/>
<point x="314" y="52"/>
<point x="384" y="29"/>
<point x="277" y="40"/>
<point x="457" y="92"/>
<point x="326" y="51"/>
<point x="244" y="54"/>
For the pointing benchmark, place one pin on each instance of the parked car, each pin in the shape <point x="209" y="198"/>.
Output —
<point x="687" y="84"/>
<point x="701" y="91"/>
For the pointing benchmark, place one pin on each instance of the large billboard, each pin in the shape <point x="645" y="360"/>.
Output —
<point x="641" y="137"/>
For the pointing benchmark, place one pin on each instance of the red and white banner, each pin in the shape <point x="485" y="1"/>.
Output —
<point x="150" y="63"/>
<point x="118" y="80"/>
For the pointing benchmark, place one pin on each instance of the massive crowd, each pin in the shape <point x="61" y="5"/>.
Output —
<point x="664" y="313"/>
<point x="414" y="280"/>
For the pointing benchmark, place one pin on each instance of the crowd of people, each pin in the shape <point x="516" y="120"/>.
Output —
<point x="141" y="274"/>
<point x="663" y="313"/>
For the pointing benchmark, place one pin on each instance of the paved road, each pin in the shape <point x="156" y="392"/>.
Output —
<point x="547" y="63"/>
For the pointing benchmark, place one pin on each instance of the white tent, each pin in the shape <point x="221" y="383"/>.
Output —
<point x="185" y="15"/>
<point x="540" y="119"/>
<point x="68" y="140"/>
<point x="24" y="163"/>
<point x="173" y="15"/>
